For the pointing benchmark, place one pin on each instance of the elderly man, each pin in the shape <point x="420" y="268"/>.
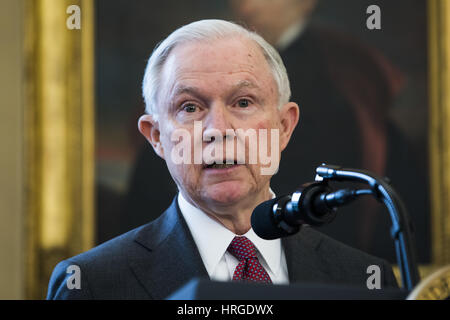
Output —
<point x="208" y="87"/>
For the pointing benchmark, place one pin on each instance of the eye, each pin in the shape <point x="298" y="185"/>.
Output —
<point x="190" y="108"/>
<point x="243" y="103"/>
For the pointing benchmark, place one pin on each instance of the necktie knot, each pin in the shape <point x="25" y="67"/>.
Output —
<point x="242" y="248"/>
<point x="249" y="268"/>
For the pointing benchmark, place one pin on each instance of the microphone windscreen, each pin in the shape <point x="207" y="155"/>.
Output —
<point x="263" y="221"/>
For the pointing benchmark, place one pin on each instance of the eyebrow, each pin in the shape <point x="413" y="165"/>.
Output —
<point x="185" y="89"/>
<point x="244" y="84"/>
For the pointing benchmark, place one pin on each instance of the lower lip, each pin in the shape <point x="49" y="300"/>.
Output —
<point x="223" y="170"/>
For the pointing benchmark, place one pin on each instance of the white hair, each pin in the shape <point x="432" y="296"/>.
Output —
<point x="205" y="30"/>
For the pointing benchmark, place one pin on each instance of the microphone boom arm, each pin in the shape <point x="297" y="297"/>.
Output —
<point x="401" y="230"/>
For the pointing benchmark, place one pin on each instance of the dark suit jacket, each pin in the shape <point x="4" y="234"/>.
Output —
<point x="156" y="259"/>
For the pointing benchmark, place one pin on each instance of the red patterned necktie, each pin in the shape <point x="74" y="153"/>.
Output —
<point x="249" y="268"/>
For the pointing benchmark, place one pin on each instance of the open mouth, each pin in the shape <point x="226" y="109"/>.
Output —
<point x="224" y="165"/>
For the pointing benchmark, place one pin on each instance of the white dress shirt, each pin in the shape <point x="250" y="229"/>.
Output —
<point x="212" y="240"/>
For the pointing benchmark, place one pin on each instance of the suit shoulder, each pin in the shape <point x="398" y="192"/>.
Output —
<point x="344" y="261"/>
<point x="108" y="270"/>
<point x="337" y="250"/>
<point x="108" y="260"/>
<point x="113" y="249"/>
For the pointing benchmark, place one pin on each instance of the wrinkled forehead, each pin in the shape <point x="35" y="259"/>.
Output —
<point x="225" y="56"/>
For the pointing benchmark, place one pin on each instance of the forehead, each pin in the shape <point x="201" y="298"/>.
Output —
<point x="236" y="59"/>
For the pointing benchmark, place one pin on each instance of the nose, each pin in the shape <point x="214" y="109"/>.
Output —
<point x="217" y="121"/>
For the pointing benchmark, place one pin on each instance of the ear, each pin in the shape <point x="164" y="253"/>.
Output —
<point x="289" y="116"/>
<point x="149" y="128"/>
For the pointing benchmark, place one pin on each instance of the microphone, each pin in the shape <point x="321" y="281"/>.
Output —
<point x="313" y="204"/>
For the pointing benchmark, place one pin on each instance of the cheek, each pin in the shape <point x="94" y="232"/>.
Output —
<point x="176" y="141"/>
<point x="172" y="136"/>
<point x="186" y="175"/>
<point x="268" y="123"/>
<point x="269" y="143"/>
<point x="265" y="124"/>
<point x="270" y="119"/>
<point x="165" y="134"/>
<point x="269" y="126"/>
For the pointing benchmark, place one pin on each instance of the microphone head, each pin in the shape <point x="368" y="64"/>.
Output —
<point x="264" y="223"/>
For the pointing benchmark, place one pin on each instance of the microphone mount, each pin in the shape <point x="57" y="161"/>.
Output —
<point x="317" y="203"/>
<point x="401" y="230"/>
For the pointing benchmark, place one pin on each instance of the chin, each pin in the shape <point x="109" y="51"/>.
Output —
<point x="227" y="192"/>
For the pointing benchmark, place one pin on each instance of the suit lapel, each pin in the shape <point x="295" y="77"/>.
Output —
<point x="303" y="259"/>
<point x="169" y="257"/>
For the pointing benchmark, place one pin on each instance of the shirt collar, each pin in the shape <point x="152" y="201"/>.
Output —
<point x="269" y="250"/>
<point x="212" y="238"/>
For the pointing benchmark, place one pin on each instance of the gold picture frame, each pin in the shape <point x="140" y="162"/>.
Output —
<point x="439" y="128"/>
<point x="59" y="137"/>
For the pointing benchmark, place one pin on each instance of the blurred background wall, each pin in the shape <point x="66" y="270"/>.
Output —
<point x="12" y="242"/>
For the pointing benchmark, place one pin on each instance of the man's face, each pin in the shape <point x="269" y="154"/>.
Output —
<point x="223" y="84"/>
